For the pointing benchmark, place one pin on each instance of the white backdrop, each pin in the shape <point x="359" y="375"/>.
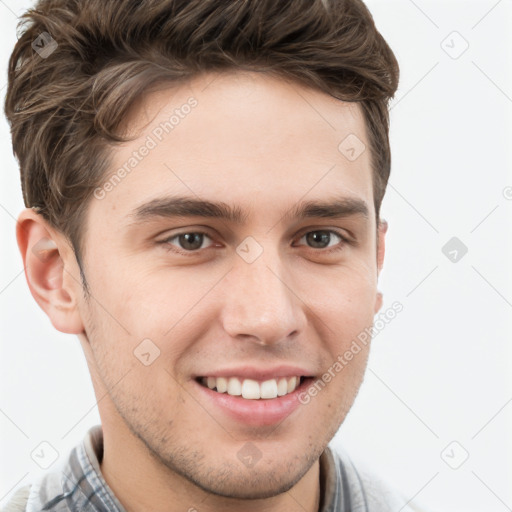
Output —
<point x="434" y="411"/>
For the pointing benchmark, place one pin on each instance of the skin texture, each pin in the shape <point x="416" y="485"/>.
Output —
<point x="264" y="145"/>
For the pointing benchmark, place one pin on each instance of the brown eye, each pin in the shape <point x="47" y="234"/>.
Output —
<point x="317" y="238"/>
<point x="321" y="239"/>
<point x="189" y="241"/>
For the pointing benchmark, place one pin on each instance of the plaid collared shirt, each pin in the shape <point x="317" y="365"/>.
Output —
<point x="78" y="486"/>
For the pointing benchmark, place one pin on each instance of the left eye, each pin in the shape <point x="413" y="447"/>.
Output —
<point x="322" y="237"/>
<point x="191" y="241"/>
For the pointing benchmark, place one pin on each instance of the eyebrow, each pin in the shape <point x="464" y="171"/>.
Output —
<point x="335" y="208"/>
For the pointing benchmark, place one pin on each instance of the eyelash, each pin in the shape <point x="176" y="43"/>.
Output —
<point x="169" y="247"/>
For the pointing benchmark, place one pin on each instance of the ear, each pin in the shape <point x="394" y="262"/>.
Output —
<point x="381" y="249"/>
<point x="51" y="271"/>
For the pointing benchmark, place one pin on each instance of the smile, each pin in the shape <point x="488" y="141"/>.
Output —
<point x="252" y="389"/>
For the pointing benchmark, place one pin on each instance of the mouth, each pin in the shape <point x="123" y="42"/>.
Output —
<point x="251" y="389"/>
<point x="255" y="398"/>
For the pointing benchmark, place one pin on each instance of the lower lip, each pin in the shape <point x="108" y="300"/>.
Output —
<point x="261" y="412"/>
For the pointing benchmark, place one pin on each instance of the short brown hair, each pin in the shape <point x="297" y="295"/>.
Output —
<point x="65" y="108"/>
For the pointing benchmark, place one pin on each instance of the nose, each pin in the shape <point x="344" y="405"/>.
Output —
<point x="261" y="305"/>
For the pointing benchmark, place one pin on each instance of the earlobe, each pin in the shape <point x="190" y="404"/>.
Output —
<point x="46" y="258"/>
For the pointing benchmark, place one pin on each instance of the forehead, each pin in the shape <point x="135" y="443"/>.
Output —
<point x="247" y="138"/>
<point x="245" y="93"/>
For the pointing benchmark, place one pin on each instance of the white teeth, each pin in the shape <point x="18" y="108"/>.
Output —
<point x="282" y="387"/>
<point x="292" y="384"/>
<point x="222" y="384"/>
<point x="234" y="387"/>
<point x="269" y="389"/>
<point x="251" y="389"/>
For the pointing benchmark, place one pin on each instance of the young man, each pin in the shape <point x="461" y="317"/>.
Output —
<point x="203" y="182"/>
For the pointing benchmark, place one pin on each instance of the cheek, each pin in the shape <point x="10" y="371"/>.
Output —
<point x="343" y="317"/>
<point x="141" y="328"/>
<point x="134" y="300"/>
<point x="345" y="301"/>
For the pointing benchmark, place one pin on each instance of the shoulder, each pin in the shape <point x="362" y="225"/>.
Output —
<point x="363" y="490"/>
<point x="18" y="501"/>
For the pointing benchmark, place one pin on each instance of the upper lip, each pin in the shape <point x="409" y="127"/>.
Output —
<point x="251" y="372"/>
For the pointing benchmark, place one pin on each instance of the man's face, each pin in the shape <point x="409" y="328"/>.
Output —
<point x="265" y="297"/>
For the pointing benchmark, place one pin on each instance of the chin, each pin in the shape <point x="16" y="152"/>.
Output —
<point x="253" y="485"/>
<point x="272" y="475"/>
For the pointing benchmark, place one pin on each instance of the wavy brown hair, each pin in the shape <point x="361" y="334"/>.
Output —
<point x="65" y="108"/>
